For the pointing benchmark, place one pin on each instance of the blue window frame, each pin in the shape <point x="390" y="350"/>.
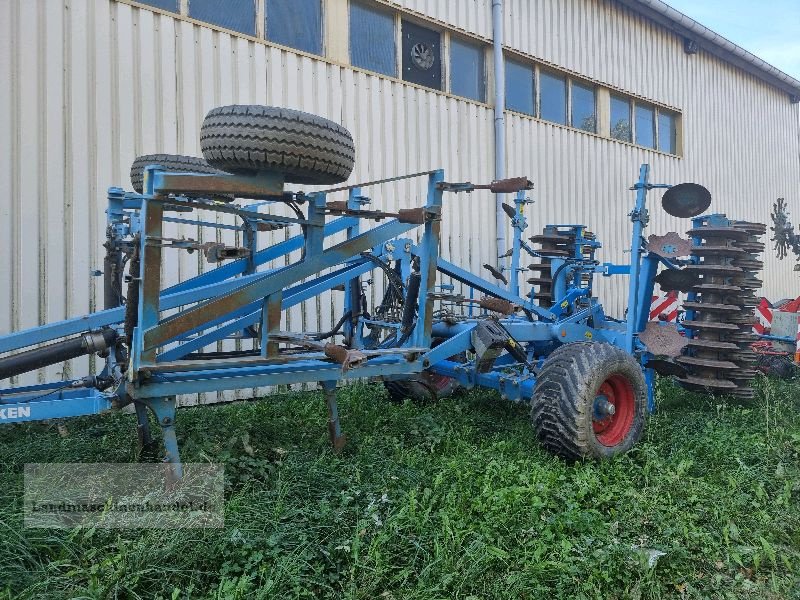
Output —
<point x="295" y="23"/>
<point x="553" y="98"/>
<point x="372" y="39"/>
<point x="621" y="119"/>
<point x="467" y="73"/>
<point x="584" y="112"/>
<point x="645" y="126"/>
<point x="667" y="132"/>
<point x="170" y="5"/>
<point x="237" y="15"/>
<point x="519" y="87"/>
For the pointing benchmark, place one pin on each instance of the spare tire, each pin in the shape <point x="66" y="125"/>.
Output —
<point x="172" y="163"/>
<point x="251" y="138"/>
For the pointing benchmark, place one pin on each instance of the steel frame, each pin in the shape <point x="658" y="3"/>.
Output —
<point x="243" y="298"/>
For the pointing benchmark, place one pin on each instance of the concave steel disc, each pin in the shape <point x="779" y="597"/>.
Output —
<point x="686" y="200"/>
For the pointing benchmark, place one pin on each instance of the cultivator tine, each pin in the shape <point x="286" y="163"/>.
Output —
<point x="337" y="438"/>
<point x="496" y="273"/>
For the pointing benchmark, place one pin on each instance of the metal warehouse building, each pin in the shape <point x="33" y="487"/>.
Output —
<point x="592" y="89"/>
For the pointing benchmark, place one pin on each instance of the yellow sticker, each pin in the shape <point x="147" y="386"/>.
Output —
<point x="564" y="304"/>
<point x="588" y="335"/>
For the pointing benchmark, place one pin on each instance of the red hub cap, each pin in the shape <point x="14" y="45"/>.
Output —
<point x="613" y="410"/>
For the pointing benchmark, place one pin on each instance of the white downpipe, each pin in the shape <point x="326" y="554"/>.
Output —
<point x="499" y="122"/>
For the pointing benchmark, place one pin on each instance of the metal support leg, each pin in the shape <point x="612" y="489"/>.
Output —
<point x="143" y="434"/>
<point x="164" y="410"/>
<point x="270" y="323"/>
<point x="338" y="439"/>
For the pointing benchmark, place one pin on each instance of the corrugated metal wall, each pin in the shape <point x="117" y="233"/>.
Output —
<point x="94" y="83"/>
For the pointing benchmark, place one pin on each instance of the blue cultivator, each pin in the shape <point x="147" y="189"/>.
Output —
<point x="587" y="376"/>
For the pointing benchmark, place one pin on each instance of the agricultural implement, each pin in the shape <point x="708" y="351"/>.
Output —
<point x="588" y="377"/>
<point x="778" y="344"/>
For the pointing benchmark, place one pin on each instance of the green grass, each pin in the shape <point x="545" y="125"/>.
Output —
<point x="454" y="500"/>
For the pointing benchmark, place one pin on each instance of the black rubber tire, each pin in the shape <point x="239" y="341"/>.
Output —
<point x="777" y="366"/>
<point x="563" y="399"/>
<point x="251" y="138"/>
<point x="172" y="163"/>
<point x="422" y="389"/>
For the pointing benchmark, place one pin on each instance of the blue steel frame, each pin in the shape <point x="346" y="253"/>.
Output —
<point x="239" y="298"/>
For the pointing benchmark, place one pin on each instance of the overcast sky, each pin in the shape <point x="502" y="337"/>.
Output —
<point x="770" y="29"/>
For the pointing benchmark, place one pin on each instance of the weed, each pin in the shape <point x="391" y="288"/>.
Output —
<point x="451" y="500"/>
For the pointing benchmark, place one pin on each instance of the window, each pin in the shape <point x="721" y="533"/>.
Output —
<point x="621" y="119"/>
<point x="519" y="87"/>
<point x="467" y="74"/>
<point x="372" y="43"/>
<point x="422" y="51"/>
<point x="170" y="5"/>
<point x="645" y="126"/>
<point x="667" y="132"/>
<point x="295" y="23"/>
<point x="238" y="15"/>
<point x="553" y="98"/>
<point x="584" y="114"/>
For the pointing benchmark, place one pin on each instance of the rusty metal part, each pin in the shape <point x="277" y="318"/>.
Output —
<point x="544" y="238"/>
<point x="667" y="368"/>
<point x="677" y="280"/>
<point x="669" y="245"/>
<point x="554" y="243"/>
<point x="706" y="362"/>
<point x="718" y="357"/>
<point x="539" y="267"/>
<point x="686" y="200"/>
<point x="710" y="269"/>
<point x="663" y="339"/>
<point x="708" y="383"/>
<point x="752" y="247"/>
<point x="711" y="307"/>
<point x="749" y="264"/>
<point x="347" y="357"/>
<point x="719" y="288"/>
<point x="750" y="227"/>
<point x="712" y="345"/>
<point x="717" y="250"/>
<point x="416" y="216"/>
<point x="496" y="273"/>
<point x="730" y="233"/>
<point x="509" y="210"/>
<point x="510" y="186"/>
<point x="709" y="325"/>
<point x="498" y="305"/>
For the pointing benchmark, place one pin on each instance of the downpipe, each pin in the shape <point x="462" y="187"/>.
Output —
<point x="499" y="123"/>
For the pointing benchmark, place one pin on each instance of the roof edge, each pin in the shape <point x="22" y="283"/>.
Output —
<point x="672" y="19"/>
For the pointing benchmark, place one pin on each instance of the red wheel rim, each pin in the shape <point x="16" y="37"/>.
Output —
<point x="439" y="382"/>
<point x="611" y="430"/>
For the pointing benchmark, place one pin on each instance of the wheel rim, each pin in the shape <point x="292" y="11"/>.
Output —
<point x="439" y="382"/>
<point x="612" y="425"/>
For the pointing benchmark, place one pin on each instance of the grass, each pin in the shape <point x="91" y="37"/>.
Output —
<point x="454" y="500"/>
